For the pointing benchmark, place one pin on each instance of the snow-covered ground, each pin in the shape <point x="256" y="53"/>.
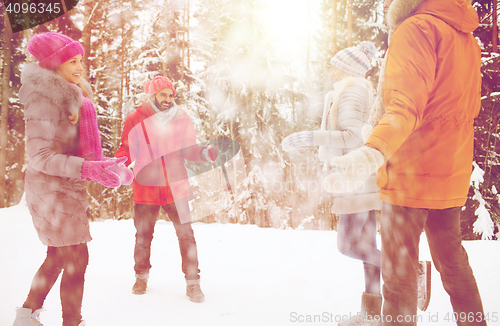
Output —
<point x="250" y="276"/>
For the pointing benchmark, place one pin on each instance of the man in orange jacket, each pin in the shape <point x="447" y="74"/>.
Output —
<point x="423" y="151"/>
<point x="158" y="136"/>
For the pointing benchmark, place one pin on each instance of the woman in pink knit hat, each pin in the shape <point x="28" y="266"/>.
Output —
<point x="64" y="150"/>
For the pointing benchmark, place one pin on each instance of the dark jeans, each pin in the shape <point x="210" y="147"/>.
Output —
<point x="145" y="217"/>
<point x="356" y="238"/>
<point x="74" y="261"/>
<point x="401" y="228"/>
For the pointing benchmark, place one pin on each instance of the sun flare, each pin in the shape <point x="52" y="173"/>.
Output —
<point x="290" y="23"/>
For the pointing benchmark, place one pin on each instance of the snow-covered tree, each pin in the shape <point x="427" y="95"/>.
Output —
<point x="483" y="198"/>
<point x="483" y="226"/>
<point x="12" y="164"/>
<point x="237" y="79"/>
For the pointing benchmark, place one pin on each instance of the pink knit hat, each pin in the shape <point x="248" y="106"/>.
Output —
<point x="53" y="49"/>
<point x="157" y="84"/>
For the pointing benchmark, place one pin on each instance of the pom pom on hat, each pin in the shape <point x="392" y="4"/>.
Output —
<point x="367" y="48"/>
<point x="355" y="60"/>
<point x="53" y="49"/>
<point x="157" y="84"/>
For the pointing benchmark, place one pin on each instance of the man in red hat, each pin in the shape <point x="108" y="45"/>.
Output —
<point x="158" y="136"/>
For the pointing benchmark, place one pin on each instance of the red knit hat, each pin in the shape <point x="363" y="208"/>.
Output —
<point x="53" y="49"/>
<point x="157" y="84"/>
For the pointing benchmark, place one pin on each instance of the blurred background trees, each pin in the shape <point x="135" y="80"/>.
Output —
<point x="251" y="70"/>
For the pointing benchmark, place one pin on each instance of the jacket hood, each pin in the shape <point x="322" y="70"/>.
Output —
<point x="457" y="13"/>
<point x="35" y="79"/>
<point x="145" y="109"/>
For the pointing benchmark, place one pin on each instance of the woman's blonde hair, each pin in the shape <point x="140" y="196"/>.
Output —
<point x="86" y="91"/>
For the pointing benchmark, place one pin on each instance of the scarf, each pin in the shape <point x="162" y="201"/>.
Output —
<point x="90" y="142"/>
<point x="162" y="117"/>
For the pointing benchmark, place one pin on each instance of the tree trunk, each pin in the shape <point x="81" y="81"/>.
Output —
<point x="7" y="58"/>
<point x="334" y="23"/>
<point x="123" y="53"/>
<point x="188" y="44"/>
<point x="86" y="34"/>
<point x="495" y="26"/>
<point x="184" y="40"/>
<point x="349" y="23"/>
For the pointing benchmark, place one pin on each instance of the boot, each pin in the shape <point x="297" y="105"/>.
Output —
<point x="371" y="308"/>
<point x="141" y="283"/>
<point x="27" y="317"/>
<point x="371" y="305"/>
<point x="424" y="284"/>
<point x="193" y="291"/>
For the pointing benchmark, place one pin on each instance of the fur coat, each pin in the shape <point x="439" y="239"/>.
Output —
<point x="54" y="190"/>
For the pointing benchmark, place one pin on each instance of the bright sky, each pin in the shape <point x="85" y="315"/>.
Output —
<point x="291" y="27"/>
<point x="292" y="23"/>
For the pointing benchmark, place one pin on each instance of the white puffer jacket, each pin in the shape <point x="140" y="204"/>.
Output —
<point x="346" y="111"/>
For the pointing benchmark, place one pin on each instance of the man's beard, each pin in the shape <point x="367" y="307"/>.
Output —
<point x="161" y="107"/>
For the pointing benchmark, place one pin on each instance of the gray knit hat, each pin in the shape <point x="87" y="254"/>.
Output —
<point x="355" y="60"/>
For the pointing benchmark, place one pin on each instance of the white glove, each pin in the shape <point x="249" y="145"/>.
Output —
<point x="354" y="169"/>
<point x="297" y="139"/>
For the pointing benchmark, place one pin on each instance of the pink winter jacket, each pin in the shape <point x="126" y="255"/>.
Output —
<point x="54" y="190"/>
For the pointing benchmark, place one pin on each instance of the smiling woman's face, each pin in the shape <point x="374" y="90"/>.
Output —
<point x="71" y="69"/>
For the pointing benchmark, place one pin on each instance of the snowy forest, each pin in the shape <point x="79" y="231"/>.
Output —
<point x="253" y="71"/>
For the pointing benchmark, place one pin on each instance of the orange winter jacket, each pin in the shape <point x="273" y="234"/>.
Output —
<point x="432" y="94"/>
